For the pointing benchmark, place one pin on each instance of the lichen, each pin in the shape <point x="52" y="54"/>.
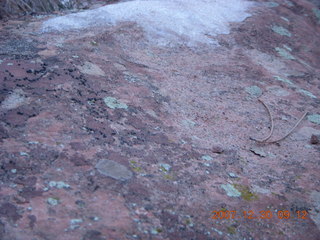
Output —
<point x="316" y="12"/>
<point x="168" y="177"/>
<point x="53" y="201"/>
<point x="164" y="167"/>
<point x="254" y="91"/>
<point x="283" y="80"/>
<point x="307" y="93"/>
<point x="207" y="158"/>
<point x="188" y="123"/>
<point x="281" y="31"/>
<point x="59" y="184"/>
<point x="113" y="103"/>
<point x="135" y="166"/>
<point x="231" y="190"/>
<point x="271" y="4"/>
<point x="246" y="194"/>
<point x="314" y="118"/>
<point x="231" y="230"/>
<point x="284" y="53"/>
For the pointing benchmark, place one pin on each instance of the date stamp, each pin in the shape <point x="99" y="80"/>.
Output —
<point x="284" y="214"/>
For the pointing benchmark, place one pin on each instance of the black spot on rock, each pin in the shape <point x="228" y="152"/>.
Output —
<point x="9" y="211"/>
<point x="2" y="230"/>
<point x="93" y="235"/>
<point x="26" y="181"/>
<point x="32" y="219"/>
<point x="79" y="160"/>
<point x="30" y="192"/>
<point x="3" y="133"/>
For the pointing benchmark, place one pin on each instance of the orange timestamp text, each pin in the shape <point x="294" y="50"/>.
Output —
<point x="225" y="214"/>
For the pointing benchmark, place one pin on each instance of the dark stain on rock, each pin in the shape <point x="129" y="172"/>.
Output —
<point x="32" y="220"/>
<point x="101" y="130"/>
<point x="137" y="193"/>
<point x="18" y="46"/>
<point x="44" y="156"/>
<point x="30" y="192"/>
<point x="93" y="235"/>
<point x="79" y="160"/>
<point x="2" y="230"/>
<point x="9" y="211"/>
<point x="158" y="138"/>
<point x="3" y="133"/>
<point x="78" y="146"/>
<point x="15" y="119"/>
<point x="314" y="139"/>
<point x="169" y="220"/>
<point x="26" y="181"/>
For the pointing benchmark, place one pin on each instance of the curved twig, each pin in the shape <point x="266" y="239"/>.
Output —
<point x="291" y="130"/>
<point x="272" y="124"/>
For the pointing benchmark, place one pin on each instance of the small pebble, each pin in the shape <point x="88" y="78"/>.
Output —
<point x="314" y="139"/>
<point x="217" y="149"/>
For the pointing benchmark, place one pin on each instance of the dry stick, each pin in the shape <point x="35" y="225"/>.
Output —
<point x="272" y="124"/>
<point x="291" y="130"/>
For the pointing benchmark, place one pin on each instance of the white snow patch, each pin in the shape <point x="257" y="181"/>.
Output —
<point x="163" y="21"/>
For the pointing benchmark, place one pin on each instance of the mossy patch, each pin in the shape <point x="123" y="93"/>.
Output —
<point x="246" y="194"/>
<point x="135" y="166"/>
<point x="168" y="177"/>
<point x="231" y="230"/>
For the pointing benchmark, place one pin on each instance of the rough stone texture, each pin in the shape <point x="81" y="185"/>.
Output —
<point x="183" y="131"/>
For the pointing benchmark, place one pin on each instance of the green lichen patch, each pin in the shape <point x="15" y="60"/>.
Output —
<point x="285" y="19"/>
<point x="206" y="158"/>
<point x="307" y="93"/>
<point x="231" y="230"/>
<point x="284" y="53"/>
<point x="316" y="12"/>
<point x="314" y="118"/>
<point x="254" y="91"/>
<point x="231" y="190"/>
<point x="135" y="166"/>
<point x="271" y="4"/>
<point x="283" y="80"/>
<point x="281" y="31"/>
<point x="113" y="103"/>
<point x="246" y="193"/>
<point x="53" y="201"/>
<point x="59" y="185"/>
<point x="155" y="231"/>
<point x="188" y="123"/>
<point x="288" y="48"/>
<point x="168" y="177"/>
<point x="164" y="167"/>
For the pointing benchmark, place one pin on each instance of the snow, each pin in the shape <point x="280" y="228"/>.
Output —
<point x="163" y="21"/>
